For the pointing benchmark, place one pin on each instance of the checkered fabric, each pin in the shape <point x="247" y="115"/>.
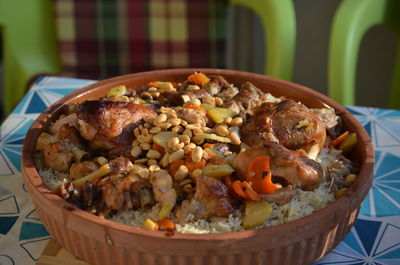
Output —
<point x="104" y="38"/>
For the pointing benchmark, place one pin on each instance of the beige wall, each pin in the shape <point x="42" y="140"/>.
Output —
<point x="314" y="18"/>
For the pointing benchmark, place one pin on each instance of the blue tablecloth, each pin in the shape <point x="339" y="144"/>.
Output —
<point x="375" y="238"/>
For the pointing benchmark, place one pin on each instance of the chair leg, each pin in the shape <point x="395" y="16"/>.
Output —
<point x="352" y="20"/>
<point x="394" y="98"/>
<point x="279" y="23"/>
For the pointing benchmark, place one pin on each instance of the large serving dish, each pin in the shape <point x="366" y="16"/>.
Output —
<point x="100" y="241"/>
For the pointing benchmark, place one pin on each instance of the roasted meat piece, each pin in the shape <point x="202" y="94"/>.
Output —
<point x="105" y="120"/>
<point x="280" y="196"/>
<point x="174" y="98"/>
<point x="249" y="97"/>
<point x="293" y="166"/>
<point x="58" y="155"/>
<point x="82" y="169"/>
<point x="123" y="192"/>
<point x="290" y="123"/>
<point x="210" y="199"/>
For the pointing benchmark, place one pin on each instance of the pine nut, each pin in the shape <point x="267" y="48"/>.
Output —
<point x="140" y="161"/>
<point x="136" y="132"/>
<point x="164" y="125"/>
<point x="238" y="121"/>
<point x="155" y="130"/>
<point x="153" y="154"/>
<point x="145" y="146"/>
<point x="192" y="87"/>
<point x="197" y="154"/>
<point x="175" y="121"/>
<point x="218" y="101"/>
<point x="235" y="139"/>
<point x="177" y="155"/>
<point x="177" y="129"/>
<point x="136" y="151"/>
<point x="189" y="147"/>
<point x="197" y="131"/>
<point x="144" y="173"/>
<point x="161" y="118"/>
<point x="145" y="132"/>
<point x="154" y="168"/>
<point x="209" y="100"/>
<point x="184" y="139"/>
<point x="152" y="89"/>
<point x="165" y="160"/>
<point x="221" y="130"/>
<point x="228" y="120"/>
<point x="136" y="168"/>
<point x="185" y="182"/>
<point x="135" y="142"/>
<point x="171" y="143"/>
<point x="149" y="138"/>
<point x="188" y="132"/>
<point x="197" y="172"/>
<point x="181" y="173"/>
<point x="151" y="162"/>
<point x="141" y="138"/>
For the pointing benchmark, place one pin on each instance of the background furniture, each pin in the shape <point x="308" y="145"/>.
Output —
<point x="352" y="20"/>
<point x="97" y="39"/>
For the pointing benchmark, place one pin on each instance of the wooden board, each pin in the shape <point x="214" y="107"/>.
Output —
<point x="54" y="254"/>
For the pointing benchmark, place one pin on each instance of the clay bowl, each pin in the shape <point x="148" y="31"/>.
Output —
<point x="99" y="241"/>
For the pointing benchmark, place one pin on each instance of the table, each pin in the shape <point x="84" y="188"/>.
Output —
<point x="375" y="238"/>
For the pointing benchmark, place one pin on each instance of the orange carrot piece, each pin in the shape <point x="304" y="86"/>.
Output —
<point x="192" y="166"/>
<point x="198" y="78"/>
<point x="214" y="159"/>
<point x="259" y="175"/>
<point x="173" y="167"/>
<point x="249" y="192"/>
<point x="238" y="189"/>
<point x="340" y="139"/>
<point x="96" y="180"/>
<point x="228" y="181"/>
<point x="153" y="84"/>
<point x="196" y="108"/>
<point x="208" y="145"/>
<point x="158" y="148"/>
<point x="166" y="225"/>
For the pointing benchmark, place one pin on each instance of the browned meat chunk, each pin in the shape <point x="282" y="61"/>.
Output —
<point x="58" y="155"/>
<point x="249" y="97"/>
<point x="294" y="166"/>
<point x="290" y="123"/>
<point x="210" y="199"/>
<point x="120" y="165"/>
<point x="174" y="98"/>
<point x="192" y="116"/>
<point x="280" y="196"/>
<point x="108" y="119"/>
<point x="218" y="86"/>
<point x="122" y="193"/>
<point x="71" y="133"/>
<point x="80" y="170"/>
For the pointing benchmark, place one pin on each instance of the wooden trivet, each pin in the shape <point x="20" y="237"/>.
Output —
<point x="54" y="254"/>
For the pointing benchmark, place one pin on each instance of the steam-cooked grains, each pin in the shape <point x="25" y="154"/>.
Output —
<point x="173" y="150"/>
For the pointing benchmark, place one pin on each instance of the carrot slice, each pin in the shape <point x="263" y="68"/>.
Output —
<point x="228" y="181"/>
<point x="340" y="139"/>
<point x="192" y="166"/>
<point x="195" y="107"/>
<point x="249" y="192"/>
<point x="238" y="189"/>
<point x="166" y="224"/>
<point x="153" y="84"/>
<point x="208" y="145"/>
<point x="198" y="78"/>
<point x="158" y="148"/>
<point x="259" y="175"/>
<point x="173" y="167"/>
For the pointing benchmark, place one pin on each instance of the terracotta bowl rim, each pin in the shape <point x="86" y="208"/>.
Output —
<point x="358" y="189"/>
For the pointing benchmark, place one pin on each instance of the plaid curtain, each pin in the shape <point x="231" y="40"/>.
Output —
<point x="104" y="38"/>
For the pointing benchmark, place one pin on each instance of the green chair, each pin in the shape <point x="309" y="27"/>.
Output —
<point x="352" y="20"/>
<point x="31" y="46"/>
<point x="279" y="24"/>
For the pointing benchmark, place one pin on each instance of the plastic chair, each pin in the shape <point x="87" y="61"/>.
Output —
<point x="30" y="43"/>
<point x="29" y="46"/>
<point x="352" y="20"/>
<point x="279" y="23"/>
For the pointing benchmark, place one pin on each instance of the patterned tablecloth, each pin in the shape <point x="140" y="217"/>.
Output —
<point x="375" y="238"/>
